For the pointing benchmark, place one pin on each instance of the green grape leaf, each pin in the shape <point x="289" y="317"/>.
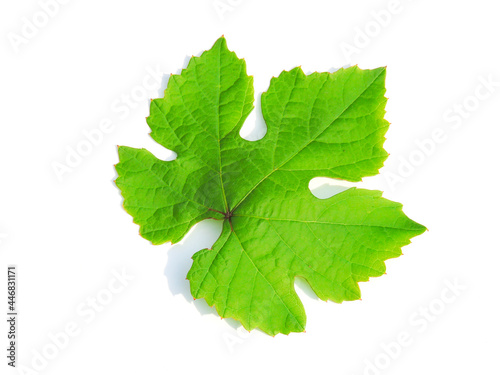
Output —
<point x="275" y="229"/>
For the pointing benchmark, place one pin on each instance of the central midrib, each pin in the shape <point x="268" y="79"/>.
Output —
<point x="224" y="199"/>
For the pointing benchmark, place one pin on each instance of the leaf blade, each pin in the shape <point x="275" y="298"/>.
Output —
<point x="321" y="124"/>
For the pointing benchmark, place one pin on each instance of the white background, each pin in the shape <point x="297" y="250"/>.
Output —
<point x="69" y="236"/>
